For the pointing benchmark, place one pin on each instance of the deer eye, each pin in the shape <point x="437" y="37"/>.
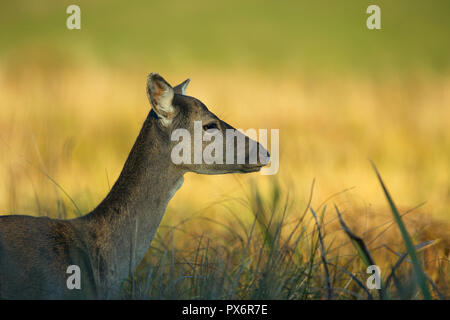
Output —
<point x="210" y="126"/>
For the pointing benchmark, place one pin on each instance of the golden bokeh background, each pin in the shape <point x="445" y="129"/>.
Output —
<point x="73" y="101"/>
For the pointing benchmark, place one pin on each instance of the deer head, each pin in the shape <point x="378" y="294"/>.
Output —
<point x="192" y="131"/>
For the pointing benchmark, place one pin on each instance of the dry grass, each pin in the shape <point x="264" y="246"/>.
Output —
<point x="78" y="125"/>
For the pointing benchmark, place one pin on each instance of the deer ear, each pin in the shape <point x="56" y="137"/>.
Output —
<point x="160" y="94"/>
<point x="181" y="88"/>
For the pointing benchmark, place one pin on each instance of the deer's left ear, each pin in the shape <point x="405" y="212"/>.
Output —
<point x="160" y="94"/>
<point x="181" y="88"/>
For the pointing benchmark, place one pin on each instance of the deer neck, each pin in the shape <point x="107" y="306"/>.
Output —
<point x="124" y="224"/>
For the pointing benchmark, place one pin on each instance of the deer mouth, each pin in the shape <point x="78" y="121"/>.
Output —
<point x="253" y="168"/>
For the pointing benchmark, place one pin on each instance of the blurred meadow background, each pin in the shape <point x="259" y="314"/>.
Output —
<point x="72" y="103"/>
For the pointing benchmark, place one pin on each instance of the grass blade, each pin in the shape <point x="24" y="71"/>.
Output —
<point x="324" y="260"/>
<point x="404" y="257"/>
<point x="360" y="246"/>
<point x="420" y="274"/>
<point x="357" y="242"/>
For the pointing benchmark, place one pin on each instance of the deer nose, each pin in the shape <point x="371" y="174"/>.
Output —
<point x="267" y="157"/>
<point x="264" y="156"/>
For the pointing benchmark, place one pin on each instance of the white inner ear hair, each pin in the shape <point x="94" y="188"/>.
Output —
<point x="165" y="101"/>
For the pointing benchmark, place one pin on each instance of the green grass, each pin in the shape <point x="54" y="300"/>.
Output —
<point x="267" y="259"/>
<point x="407" y="240"/>
<point x="291" y="35"/>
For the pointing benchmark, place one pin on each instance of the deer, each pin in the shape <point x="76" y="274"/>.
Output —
<point x="109" y="242"/>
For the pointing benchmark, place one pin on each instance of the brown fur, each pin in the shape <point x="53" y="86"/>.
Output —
<point x="109" y="242"/>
